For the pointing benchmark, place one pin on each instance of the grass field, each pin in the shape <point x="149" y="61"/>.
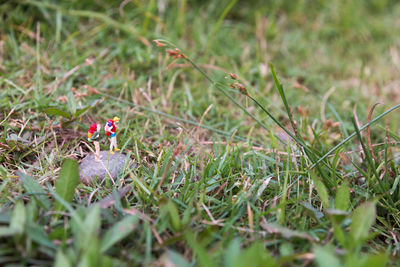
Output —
<point x="251" y="127"/>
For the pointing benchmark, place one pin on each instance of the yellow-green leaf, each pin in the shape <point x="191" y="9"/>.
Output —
<point x="57" y="112"/>
<point x="67" y="182"/>
<point x="361" y="221"/>
<point x="342" y="199"/>
<point x="321" y="189"/>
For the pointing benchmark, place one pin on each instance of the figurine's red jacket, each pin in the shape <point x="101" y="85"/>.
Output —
<point x="93" y="128"/>
<point x="110" y="124"/>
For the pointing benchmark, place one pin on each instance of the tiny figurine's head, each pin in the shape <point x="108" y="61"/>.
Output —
<point x="115" y="120"/>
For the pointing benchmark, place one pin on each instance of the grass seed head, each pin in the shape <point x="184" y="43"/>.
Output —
<point x="158" y="43"/>
<point x="175" y="53"/>
<point x="241" y="88"/>
<point x="329" y="124"/>
<point x="303" y="111"/>
<point x="233" y="76"/>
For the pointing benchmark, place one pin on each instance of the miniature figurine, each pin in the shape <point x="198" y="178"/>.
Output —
<point x="94" y="135"/>
<point x="110" y="128"/>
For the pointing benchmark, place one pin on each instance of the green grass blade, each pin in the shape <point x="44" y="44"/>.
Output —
<point x="57" y="112"/>
<point x="37" y="234"/>
<point x="202" y="257"/>
<point x="361" y="221"/>
<point x="176" y="118"/>
<point x="87" y="14"/>
<point x="220" y="87"/>
<point x="321" y="189"/>
<point x="354" y="134"/>
<point x="283" y="97"/>
<point x="67" y="181"/>
<point x="218" y="25"/>
<point x="325" y="256"/>
<point x="342" y="199"/>
<point x="371" y="162"/>
<point x="67" y="206"/>
<point x="32" y="186"/>
<point x="18" y="218"/>
<point x="117" y="232"/>
<point x="61" y="259"/>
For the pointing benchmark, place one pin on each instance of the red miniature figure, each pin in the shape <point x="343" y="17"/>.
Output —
<point x="110" y="128"/>
<point x="94" y="135"/>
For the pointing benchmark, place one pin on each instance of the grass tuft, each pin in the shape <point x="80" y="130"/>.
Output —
<point x="229" y="165"/>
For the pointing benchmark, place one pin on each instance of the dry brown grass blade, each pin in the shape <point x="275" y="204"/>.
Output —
<point x="197" y="133"/>
<point x="250" y="216"/>
<point x="8" y="115"/>
<point x="325" y="100"/>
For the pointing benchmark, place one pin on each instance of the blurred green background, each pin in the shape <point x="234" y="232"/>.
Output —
<point x="335" y="59"/>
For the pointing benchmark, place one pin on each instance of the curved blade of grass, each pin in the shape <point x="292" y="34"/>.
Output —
<point x="309" y="152"/>
<point x="57" y="112"/>
<point x="87" y="14"/>
<point x="37" y="234"/>
<point x="220" y="87"/>
<point x="202" y="257"/>
<point x="321" y="190"/>
<point x="283" y="96"/>
<point x="312" y="155"/>
<point x="354" y="134"/>
<point x="218" y="24"/>
<point x="67" y="181"/>
<point x="119" y="231"/>
<point x="362" y="220"/>
<point x="371" y="162"/>
<point x="79" y="112"/>
<point x="176" y="118"/>
<point x="278" y="123"/>
<point x="32" y="186"/>
<point x="67" y="206"/>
